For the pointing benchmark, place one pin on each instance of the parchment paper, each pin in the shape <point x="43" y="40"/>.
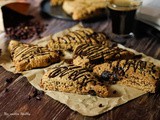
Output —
<point x="84" y="104"/>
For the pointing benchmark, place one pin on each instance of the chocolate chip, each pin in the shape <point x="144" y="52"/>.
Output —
<point x="92" y="92"/>
<point x="40" y="92"/>
<point x="100" y="105"/>
<point x="29" y="97"/>
<point x="114" y="92"/>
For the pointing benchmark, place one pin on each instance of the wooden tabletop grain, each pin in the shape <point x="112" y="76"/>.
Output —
<point x="15" y="89"/>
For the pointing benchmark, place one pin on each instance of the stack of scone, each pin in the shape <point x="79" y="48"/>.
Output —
<point x="95" y="64"/>
<point x="82" y="9"/>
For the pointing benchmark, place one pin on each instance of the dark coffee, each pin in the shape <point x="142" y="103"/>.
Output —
<point x="122" y="20"/>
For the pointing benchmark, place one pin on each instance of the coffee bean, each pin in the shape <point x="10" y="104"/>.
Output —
<point x="6" y="90"/>
<point x="34" y="93"/>
<point x="26" y="30"/>
<point x="38" y="98"/>
<point x="9" y="80"/>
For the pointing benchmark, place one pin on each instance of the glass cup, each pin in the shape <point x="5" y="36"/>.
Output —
<point x="122" y="13"/>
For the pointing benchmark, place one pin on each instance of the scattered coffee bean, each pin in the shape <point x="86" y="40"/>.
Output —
<point x="70" y="50"/>
<point x="29" y="97"/>
<point x="9" y="80"/>
<point x="26" y="30"/>
<point x="38" y="98"/>
<point x="40" y="92"/>
<point x="34" y="93"/>
<point x="6" y="90"/>
<point x="92" y="92"/>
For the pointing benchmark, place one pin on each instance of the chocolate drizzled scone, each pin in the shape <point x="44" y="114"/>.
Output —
<point x="134" y="73"/>
<point x="27" y="56"/>
<point x="87" y="55"/>
<point x="73" y="79"/>
<point x="84" y="9"/>
<point x="74" y="38"/>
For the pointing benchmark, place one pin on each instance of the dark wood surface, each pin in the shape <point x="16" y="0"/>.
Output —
<point x="14" y="102"/>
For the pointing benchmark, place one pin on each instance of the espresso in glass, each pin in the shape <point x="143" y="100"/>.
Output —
<point x="123" y="18"/>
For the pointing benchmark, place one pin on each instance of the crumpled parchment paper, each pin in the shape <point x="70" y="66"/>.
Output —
<point x="84" y="104"/>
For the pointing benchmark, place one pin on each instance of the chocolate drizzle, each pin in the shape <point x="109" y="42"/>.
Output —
<point x="135" y="64"/>
<point x="27" y="51"/>
<point x="81" y="36"/>
<point x="74" y="72"/>
<point x="143" y="67"/>
<point x="101" y="54"/>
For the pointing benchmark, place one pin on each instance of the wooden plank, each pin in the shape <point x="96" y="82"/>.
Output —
<point x="15" y="105"/>
<point x="6" y="78"/>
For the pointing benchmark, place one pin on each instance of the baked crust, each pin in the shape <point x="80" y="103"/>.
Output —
<point x="73" y="79"/>
<point x="27" y="56"/>
<point x="84" y="9"/>
<point x="134" y="73"/>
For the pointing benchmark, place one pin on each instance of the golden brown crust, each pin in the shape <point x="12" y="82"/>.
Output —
<point x="136" y="73"/>
<point x="73" y="79"/>
<point x="26" y="56"/>
<point x="84" y="9"/>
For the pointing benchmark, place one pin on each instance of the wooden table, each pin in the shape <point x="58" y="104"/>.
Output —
<point x="14" y="102"/>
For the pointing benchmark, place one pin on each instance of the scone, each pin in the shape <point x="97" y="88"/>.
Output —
<point x="84" y="9"/>
<point x="73" y="79"/>
<point x="134" y="73"/>
<point x="74" y="38"/>
<point x="27" y="56"/>
<point x="87" y="55"/>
